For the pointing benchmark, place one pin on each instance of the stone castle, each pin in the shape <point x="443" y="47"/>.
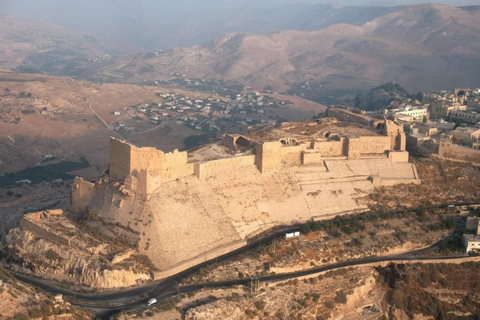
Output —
<point x="143" y="170"/>
<point x="186" y="207"/>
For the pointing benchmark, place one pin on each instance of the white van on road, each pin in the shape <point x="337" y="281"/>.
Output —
<point x="151" y="301"/>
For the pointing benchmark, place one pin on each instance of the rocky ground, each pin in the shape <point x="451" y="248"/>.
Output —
<point x="20" y="301"/>
<point x="385" y="291"/>
<point x="57" y="249"/>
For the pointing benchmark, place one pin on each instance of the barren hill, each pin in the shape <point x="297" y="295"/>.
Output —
<point x="424" y="47"/>
<point x="39" y="46"/>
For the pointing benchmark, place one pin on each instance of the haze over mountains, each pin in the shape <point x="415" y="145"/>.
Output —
<point x="423" y="47"/>
<point x="132" y="26"/>
<point x="324" y="52"/>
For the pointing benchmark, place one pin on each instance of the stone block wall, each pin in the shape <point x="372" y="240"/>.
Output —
<point x="311" y="158"/>
<point x="398" y="139"/>
<point x="268" y="156"/>
<point x="175" y="165"/>
<point x="120" y="159"/>
<point x="447" y="149"/>
<point x="367" y="145"/>
<point x="331" y="148"/>
<point x="349" y="116"/>
<point x="81" y="195"/>
<point x="210" y="168"/>
<point x="146" y="158"/>
<point x="398" y="156"/>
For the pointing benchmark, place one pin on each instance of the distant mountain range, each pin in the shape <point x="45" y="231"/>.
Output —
<point x="129" y="26"/>
<point x="423" y="47"/>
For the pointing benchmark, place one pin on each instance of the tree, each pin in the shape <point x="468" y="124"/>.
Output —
<point x="458" y="124"/>
<point x="425" y="119"/>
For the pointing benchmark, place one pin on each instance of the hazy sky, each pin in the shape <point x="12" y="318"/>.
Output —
<point x="146" y="24"/>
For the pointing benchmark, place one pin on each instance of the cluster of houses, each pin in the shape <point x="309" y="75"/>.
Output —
<point x="209" y="114"/>
<point x="446" y="115"/>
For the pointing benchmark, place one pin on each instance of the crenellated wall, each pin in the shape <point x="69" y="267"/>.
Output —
<point x="143" y="170"/>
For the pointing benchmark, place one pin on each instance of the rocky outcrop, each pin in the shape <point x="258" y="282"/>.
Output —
<point x="88" y="262"/>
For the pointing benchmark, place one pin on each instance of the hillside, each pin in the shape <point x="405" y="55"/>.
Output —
<point x="34" y="46"/>
<point x="157" y="25"/>
<point x="424" y="47"/>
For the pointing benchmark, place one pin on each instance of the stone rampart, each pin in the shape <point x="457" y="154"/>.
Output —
<point x="268" y="156"/>
<point x="32" y="222"/>
<point x="149" y="158"/>
<point x="367" y="145"/>
<point x="398" y="139"/>
<point x="200" y="259"/>
<point x="447" y="149"/>
<point x="398" y="156"/>
<point x="175" y="165"/>
<point x="120" y="159"/>
<point x="81" y="195"/>
<point x="350" y="115"/>
<point x="311" y="158"/>
<point x="292" y="155"/>
<point x="144" y="169"/>
<point x="210" y="168"/>
<point x="331" y="148"/>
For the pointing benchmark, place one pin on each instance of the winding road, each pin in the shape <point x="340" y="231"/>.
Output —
<point x="106" y="304"/>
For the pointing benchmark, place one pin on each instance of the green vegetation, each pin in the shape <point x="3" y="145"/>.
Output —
<point x="43" y="173"/>
<point x="27" y="111"/>
<point x="23" y="94"/>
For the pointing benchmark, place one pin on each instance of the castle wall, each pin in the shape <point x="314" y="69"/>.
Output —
<point x="210" y="168"/>
<point x="367" y="145"/>
<point x="398" y="139"/>
<point x="292" y="156"/>
<point x="311" y="158"/>
<point x="146" y="183"/>
<point x="120" y="159"/>
<point x="268" y="156"/>
<point x="81" y="195"/>
<point x="146" y="158"/>
<point x="175" y="166"/>
<point x="448" y="149"/>
<point x="398" y="156"/>
<point x="330" y="148"/>
<point x="349" y="116"/>
<point x="28" y="224"/>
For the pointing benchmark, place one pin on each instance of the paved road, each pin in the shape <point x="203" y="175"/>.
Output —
<point x="135" y="299"/>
